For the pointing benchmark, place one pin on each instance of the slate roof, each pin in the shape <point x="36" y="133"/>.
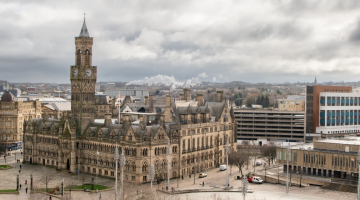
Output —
<point x="101" y="100"/>
<point x="84" y="31"/>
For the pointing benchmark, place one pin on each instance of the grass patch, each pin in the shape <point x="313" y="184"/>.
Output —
<point x="44" y="190"/>
<point x="8" y="190"/>
<point x="98" y="187"/>
<point x="4" y="166"/>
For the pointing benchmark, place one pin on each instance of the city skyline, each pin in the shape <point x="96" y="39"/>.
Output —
<point x="284" y="40"/>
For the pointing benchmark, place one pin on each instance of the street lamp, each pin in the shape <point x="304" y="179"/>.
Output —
<point x="168" y="175"/>
<point x="116" y="166"/>
<point x="151" y="175"/>
<point x="122" y="164"/>
<point x="244" y="186"/>
<point x="287" y="169"/>
<point x="227" y="162"/>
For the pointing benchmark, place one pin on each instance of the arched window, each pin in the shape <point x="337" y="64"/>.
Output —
<point x="78" y="57"/>
<point x="134" y="167"/>
<point x="87" y="57"/>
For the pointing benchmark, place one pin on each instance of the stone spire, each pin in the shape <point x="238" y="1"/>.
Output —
<point x="315" y="80"/>
<point x="84" y="31"/>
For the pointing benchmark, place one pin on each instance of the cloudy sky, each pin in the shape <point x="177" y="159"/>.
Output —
<point x="241" y="40"/>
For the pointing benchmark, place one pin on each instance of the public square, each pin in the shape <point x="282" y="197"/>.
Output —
<point x="215" y="177"/>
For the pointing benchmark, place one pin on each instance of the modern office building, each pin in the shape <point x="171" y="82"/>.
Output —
<point x="331" y="158"/>
<point x="332" y="110"/>
<point x="271" y="125"/>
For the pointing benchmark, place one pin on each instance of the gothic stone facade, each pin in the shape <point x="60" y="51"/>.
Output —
<point x="197" y="133"/>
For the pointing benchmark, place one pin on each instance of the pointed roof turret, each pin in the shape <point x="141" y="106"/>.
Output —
<point x="84" y="31"/>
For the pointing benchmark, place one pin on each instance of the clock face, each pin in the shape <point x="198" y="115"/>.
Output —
<point x="88" y="73"/>
<point x="75" y="72"/>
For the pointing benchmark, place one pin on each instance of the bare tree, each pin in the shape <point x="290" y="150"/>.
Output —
<point x="233" y="156"/>
<point x="46" y="177"/>
<point x="35" y="194"/>
<point x="241" y="160"/>
<point x="269" y="153"/>
<point x="278" y="173"/>
<point x="218" y="197"/>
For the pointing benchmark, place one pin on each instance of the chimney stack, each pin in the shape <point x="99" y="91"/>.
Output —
<point x="151" y="104"/>
<point x="168" y="101"/>
<point x="162" y="120"/>
<point x="108" y="119"/>
<point x="219" y="96"/>
<point x="146" y="100"/>
<point x="200" y="99"/>
<point x="181" y="97"/>
<point x="187" y="94"/>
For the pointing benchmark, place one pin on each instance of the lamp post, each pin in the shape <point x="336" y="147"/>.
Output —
<point x="116" y="166"/>
<point x="122" y="164"/>
<point x="151" y="175"/>
<point x="227" y="162"/>
<point x="287" y="169"/>
<point x="244" y="186"/>
<point x="168" y="174"/>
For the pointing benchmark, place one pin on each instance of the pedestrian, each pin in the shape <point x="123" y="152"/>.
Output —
<point x="19" y="170"/>
<point x="182" y="177"/>
<point x="25" y="182"/>
<point x="203" y="183"/>
<point x="26" y="190"/>
<point x="20" y="166"/>
<point x="20" y="186"/>
<point x="49" y="197"/>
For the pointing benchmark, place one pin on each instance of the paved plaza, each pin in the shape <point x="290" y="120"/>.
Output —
<point x="215" y="177"/>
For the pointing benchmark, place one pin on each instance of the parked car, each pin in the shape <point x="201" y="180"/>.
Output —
<point x="202" y="175"/>
<point x="222" y="167"/>
<point x="255" y="179"/>
<point x="258" y="163"/>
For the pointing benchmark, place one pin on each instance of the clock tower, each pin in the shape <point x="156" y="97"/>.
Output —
<point x="83" y="79"/>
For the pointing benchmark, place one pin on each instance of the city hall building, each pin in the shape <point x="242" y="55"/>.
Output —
<point x="197" y="132"/>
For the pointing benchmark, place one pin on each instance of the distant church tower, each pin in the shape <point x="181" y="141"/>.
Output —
<point x="315" y="80"/>
<point x="83" y="79"/>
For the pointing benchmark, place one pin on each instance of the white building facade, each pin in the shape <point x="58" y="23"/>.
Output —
<point x="339" y="113"/>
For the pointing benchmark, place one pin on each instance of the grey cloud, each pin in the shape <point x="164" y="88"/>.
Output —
<point x="282" y="41"/>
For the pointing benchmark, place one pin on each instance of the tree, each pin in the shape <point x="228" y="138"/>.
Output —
<point x="278" y="92"/>
<point x="240" y="161"/>
<point x="269" y="153"/>
<point x="233" y="156"/>
<point x="238" y="102"/>
<point x="157" y="92"/>
<point x="46" y="177"/>
<point x="2" y="149"/>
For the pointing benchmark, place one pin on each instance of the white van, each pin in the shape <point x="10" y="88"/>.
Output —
<point x="222" y="167"/>
<point x="258" y="163"/>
